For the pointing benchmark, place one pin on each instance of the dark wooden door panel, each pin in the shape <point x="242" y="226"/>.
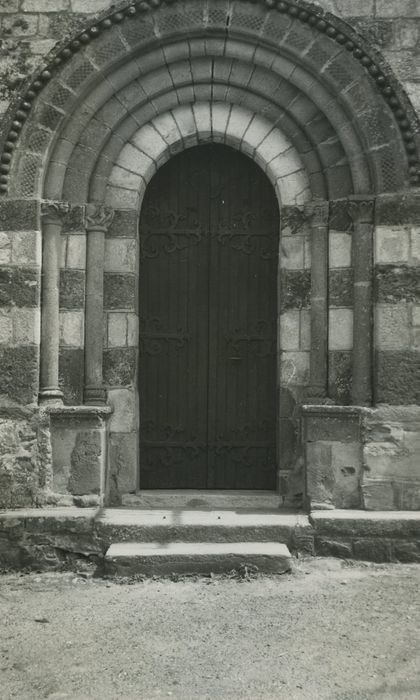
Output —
<point x="209" y="249"/>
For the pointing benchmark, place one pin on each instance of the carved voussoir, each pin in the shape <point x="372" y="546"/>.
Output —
<point x="98" y="217"/>
<point x="317" y="212"/>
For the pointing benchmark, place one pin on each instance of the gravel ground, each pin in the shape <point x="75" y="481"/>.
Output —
<point x="331" y="630"/>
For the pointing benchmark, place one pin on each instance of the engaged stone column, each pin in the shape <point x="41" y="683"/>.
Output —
<point x="98" y="219"/>
<point x="53" y="214"/>
<point x="361" y="210"/>
<point x="317" y="213"/>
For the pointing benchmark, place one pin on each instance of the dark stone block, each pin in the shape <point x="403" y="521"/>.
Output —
<point x="72" y="289"/>
<point x="393" y="284"/>
<point x="119" y="291"/>
<point x="19" y="373"/>
<point x="339" y="217"/>
<point x="398" y="377"/>
<point x="74" y="221"/>
<point x="124" y="223"/>
<point x="293" y="219"/>
<point x="340" y="183"/>
<point x="19" y="287"/>
<point x="339" y="376"/>
<point x="406" y="552"/>
<point x="340" y="288"/>
<point x="19" y="215"/>
<point x="398" y="209"/>
<point x="325" y="547"/>
<point x="295" y="289"/>
<point x="288" y="441"/>
<point x="378" y="32"/>
<point x="71" y="375"/>
<point x="344" y="428"/>
<point x="120" y="365"/>
<point x="372" y="549"/>
<point x="86" y="463"/>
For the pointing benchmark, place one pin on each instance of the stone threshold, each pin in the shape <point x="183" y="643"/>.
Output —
<point x="203" y="499"/>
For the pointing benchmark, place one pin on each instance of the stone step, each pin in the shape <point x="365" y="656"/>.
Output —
<point x="125" y="525"/>
<point x="198" y="499"/>
<point x="155" y="558"/>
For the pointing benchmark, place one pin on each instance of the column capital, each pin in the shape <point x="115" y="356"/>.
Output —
<point x="98" y="217"/>
<point x="317" y="212"/>
<point x="361" y="208"/>
<point x="54" y="212"/>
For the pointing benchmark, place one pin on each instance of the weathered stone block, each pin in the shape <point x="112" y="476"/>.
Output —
<point x="398" y="210"/>
<point x="6" y="326"/>
<point x="18" y="462"/>
<point x="406" y="552"/>
<point x="391" y="245"/>
<point x="320" y="473"/>
<point x="76" y="252"/>
<point x="123" y="465"/>
<point x="377" y="494"/>
<point x="404" y="8"/>
<point x="26" y="326"/>
<point x="340" y="376"/>
<point x="398" y="377"/>
<point x="295" y="368"/>
<point x="346" y="459"/>
<point x="119" y="291"/>
<point x="326" y="547"/>
<point x="120" y="366"/>
<point x="393" y="284"/>
<point x="72" y="289"/>
<point x="290" y="330"/>
<point x="19" y="287"/>
<point x="123" y="402"/>
<point x="340" y="289"/>
<point x="415" y="246"/>
<point x="71" y="375"/>
<point x="19" y="215"/>
<point x="345" y="428"/>
<point x="19" y="373"/>
<point x="117" y="330"/>
<point x="295" y="289"/>
<point x="132" y="330"/>
<point x="292" y="252"/>
<point x="374" y="549"/>
<point x="392" y="327"/>
<point x="26" y="248"/>
<point x="120" y="255"/>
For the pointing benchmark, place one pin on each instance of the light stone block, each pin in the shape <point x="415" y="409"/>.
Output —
<point x="220" y="117"/>
<point x="92" y="6"/>
<point x="76" y="252"/>
<point x="292" y="252"/>
<point x="392" y="331"/>
<point x="258" y="130"/>
<point x="6" y="327"/>
<point x="339" y="249"/>
<point x="305" y="329"/>
<point x="26" y="326"/>
<point x="45" y="5"/>
<point x="202" y="116"/>
<point x="125" y="178"/>
<point x="119" y="198"/>
<point x="26" y="248"/>
<point x="307" y="253"/>
<point x="185" y="121"/>
<point x="120" y="255"/>
<point x="403" y="8"/>
<point x="149" y="141"/>
<point x="117" y="330"/>
<point x="415" y="245"/>
<point x="72" y="328"/>
<point x="284" y="164"/>
<point x="290" y="330"/>
<point x="132" y="330"/>
<point x="167" y="127"/>
<point x="391" y="245"/>
<point x="5" y="248"/>
<point x="340" y="329"/>
<point x="293" y="189"/>
<point x="132" y="159"/>
<point x="123" y="418"/>
<point x="238" y="125"/>
<point x="415" y="317"/>
<point x="294" y="368"/>
<point x="416" y="338"/>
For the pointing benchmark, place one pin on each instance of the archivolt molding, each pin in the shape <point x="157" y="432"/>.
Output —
<point x="313" y="52"/>
<point x="203" y="122"/>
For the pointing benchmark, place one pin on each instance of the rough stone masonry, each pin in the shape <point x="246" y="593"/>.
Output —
<point x="325" y="98"/>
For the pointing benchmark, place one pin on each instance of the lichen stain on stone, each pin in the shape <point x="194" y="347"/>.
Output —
<point x="85" y="463"/>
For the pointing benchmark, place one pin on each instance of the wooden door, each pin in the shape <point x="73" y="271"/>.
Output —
<point x="209" y="235"/>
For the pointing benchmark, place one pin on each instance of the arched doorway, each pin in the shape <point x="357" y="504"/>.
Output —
<point x="209" y="242"/>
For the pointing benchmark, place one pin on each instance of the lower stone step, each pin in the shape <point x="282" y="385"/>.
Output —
<point x="154" y="558"/>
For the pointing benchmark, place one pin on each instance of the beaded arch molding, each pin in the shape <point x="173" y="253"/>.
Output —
<point x="325" y="23"/>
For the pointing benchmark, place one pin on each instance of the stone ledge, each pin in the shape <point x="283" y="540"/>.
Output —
<point x="362" y="523"/>
<point x="79" y="410"/>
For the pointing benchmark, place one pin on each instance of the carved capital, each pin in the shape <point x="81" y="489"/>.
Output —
<point x="54" y="212"/>
<point x="317" y="212"/>
<point x="361" y="209"/>
<point x="98" y="217"/>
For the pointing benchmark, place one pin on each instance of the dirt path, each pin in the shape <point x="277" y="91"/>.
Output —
<point x="328" y="631"/>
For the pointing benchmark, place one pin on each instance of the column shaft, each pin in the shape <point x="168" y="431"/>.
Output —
<point x="98" y="219"/>
<point x="52" y="217"/>
<point x="317" y="212"/>
<point x="361" y="210"/>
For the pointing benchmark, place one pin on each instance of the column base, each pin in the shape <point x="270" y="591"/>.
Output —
<point x="50" y="396"/>
<point x="94" y="396"/>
